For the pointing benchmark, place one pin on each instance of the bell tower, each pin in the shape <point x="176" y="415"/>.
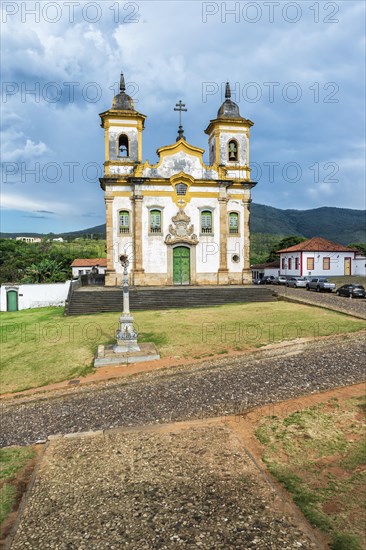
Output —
<point x="228" y="139"/>
<point x="123" y="127"/>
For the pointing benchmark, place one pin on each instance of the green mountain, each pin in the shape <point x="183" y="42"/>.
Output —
<point x="341" y="225"/>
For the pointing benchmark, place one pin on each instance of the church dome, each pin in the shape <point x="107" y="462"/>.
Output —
<point x="228" y="109"/>
<point x="122" y="101"/>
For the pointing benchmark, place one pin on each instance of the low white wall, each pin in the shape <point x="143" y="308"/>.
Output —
<point x="36" y="295"/>
<point x="359" y="266"/>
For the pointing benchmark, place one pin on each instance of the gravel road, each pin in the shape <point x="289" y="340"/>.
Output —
<point x="190" y="488"/>
<point x="353" y="306"/>
<point x="215" y="388"/>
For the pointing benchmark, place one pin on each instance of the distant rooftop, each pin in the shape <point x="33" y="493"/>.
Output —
<point x="317" y="244"/>
<point x="89" y="262"/>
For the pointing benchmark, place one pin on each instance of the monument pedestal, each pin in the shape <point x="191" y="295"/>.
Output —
<point x="106" y="356"/>
<point x="126" y="350"/>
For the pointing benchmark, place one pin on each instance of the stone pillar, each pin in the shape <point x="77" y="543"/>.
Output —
<point x="110" y="275"/>
<point x="138" y="271"/>
<point x="223" y="273"/>
<point x="246" y="274"/>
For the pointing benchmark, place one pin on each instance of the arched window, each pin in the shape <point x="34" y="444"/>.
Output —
<point x="123" y="146"/>
<point x="233" y="223"/>
<point x="155" y="221"/>
<point x="181" y="189"/>
<point x="206" y="222"/>
<point x="124" y="221"/>
<point x="232" y="151"/>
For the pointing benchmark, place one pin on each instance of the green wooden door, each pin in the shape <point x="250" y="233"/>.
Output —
<point x="12" y="300"/>
<point x="181" y="265"/>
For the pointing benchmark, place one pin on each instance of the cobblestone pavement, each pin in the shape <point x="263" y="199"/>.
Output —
<point x="182" y="487"/>
<point x="214" y="388"/>
<point x="353" y="306"/>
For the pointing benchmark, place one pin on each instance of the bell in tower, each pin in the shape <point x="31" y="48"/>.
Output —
<point x="229" y="139"/>
<point x="123" y="127"/>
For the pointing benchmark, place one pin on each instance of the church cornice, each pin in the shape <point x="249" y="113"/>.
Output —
<point x="118" y="114"/>
<point x="118" y="179"/>
<point x="240" y="122"/>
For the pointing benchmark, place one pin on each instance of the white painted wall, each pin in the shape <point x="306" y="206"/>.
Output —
<point x="155" y="251"/>
<point x="336" y="263"/>
<point x="36" y="295"/>
<point x="84" y="270"/>
<point x="359" y="266"/>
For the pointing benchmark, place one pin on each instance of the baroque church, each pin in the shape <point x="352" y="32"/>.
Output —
<point x="180" y="221"/>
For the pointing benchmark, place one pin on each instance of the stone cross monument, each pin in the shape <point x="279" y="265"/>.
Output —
<point x="126" y="334"/>
<point x="126" y="350"/>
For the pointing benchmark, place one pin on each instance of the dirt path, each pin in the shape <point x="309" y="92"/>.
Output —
<point x="197" y="483"/>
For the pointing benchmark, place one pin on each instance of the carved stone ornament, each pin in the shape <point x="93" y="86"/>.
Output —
<point x="181" y="231"/>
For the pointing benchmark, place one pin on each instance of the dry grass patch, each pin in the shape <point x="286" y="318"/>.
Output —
<point x="319" y="454"/>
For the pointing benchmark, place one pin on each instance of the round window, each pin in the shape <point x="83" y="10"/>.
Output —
<point x="236" y="258"/>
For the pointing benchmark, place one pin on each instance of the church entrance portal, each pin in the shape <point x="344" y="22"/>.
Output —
<point x="181" y="265"/>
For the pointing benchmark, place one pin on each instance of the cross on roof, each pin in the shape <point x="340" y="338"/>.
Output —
<point x="180" y="108"/>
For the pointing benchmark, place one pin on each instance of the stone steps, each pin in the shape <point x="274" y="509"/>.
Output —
<point x="94" y="301"/>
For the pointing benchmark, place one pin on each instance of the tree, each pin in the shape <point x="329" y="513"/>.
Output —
<point x="284" y="243"/>
<point x="46" y="271"/>
<point x="359" y="246"/>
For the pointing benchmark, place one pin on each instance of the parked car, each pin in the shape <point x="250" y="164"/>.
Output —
<point x="320" y="284"/>
<point x="280" y="280"/>
<point x="351" y="290"/>
<point x="296" y="282"/>
<point x="267" y="280"/>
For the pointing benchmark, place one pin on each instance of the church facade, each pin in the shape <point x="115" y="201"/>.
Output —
<point x="181" y="222"/>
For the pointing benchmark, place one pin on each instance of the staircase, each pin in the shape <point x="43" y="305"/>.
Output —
<point x="84" y="301"/>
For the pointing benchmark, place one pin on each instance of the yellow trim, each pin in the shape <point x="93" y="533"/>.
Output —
<point x="124" y="125"/>
<point x="181" y="177"/>
<point x="242" y="123"/>
<point x="106" y="144"/>
<point x="139" y="145"/>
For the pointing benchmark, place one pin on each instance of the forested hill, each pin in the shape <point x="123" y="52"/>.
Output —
<point x="341" y="225"/>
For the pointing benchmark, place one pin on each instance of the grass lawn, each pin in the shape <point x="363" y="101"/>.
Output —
<point x="12" y="461"/>
<point x="41" y="346"/>
<point x="319" y="454"/>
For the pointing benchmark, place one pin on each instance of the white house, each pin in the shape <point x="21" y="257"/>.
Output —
<point x="25" y="296"/>
<point x="265" y="270"/>
<point x="318" y="257"/>
<point x="82" y="266"/>
<point x="29" y="239"/>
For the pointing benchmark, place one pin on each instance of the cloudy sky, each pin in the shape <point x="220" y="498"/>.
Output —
<point x="296" y="70"/>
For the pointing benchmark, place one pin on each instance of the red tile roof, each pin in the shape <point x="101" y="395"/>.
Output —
<point x="317" y="244"/>
<point x="89" y="262"/>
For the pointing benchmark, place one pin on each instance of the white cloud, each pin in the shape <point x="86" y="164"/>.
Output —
<point x="169" y="54"/>
<point x="23" y="203"/>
